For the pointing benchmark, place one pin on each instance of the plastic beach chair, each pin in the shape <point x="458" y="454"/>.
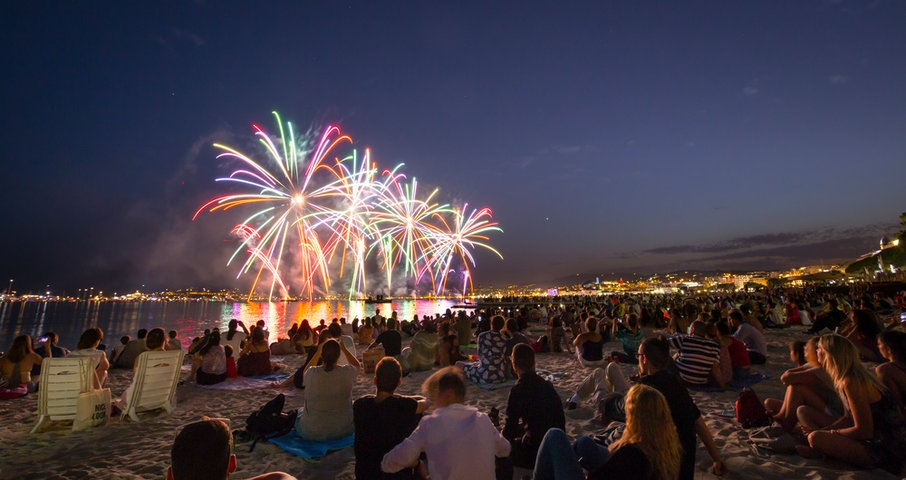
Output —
<point x="62" y="381"/>
<point x="154" y="384"/>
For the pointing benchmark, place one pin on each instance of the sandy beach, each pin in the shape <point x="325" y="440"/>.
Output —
<point x="127" y="450"/>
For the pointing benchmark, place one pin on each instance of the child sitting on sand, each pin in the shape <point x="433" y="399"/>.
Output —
<point x="231" y="370"/>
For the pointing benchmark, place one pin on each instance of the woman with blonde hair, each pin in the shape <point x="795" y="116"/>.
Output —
<point x="872" y="432"/>
<point x="809" y="385"/>
<point x="648" y="449"/>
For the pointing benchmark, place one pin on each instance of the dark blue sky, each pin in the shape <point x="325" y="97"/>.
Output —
<point x="608" y="136"/>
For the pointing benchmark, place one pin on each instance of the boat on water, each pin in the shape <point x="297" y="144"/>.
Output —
<point x="378" y="299"/>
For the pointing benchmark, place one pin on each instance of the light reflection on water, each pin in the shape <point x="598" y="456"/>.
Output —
<point x="70" y="319"/>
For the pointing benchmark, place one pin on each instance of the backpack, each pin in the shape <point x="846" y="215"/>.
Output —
<point x="270" y="421"/>
<point x="750" y="412"/>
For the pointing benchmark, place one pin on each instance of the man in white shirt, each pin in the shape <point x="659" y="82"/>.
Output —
<point x="459" y="441"/>
<point x="754" y="340"/>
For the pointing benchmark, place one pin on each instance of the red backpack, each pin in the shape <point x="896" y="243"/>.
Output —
<point x="750" y="412"/>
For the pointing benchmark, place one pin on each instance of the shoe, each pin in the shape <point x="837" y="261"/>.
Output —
<point x="571" y="405"/>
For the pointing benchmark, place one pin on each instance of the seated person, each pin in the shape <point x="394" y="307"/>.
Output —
<point x="892" y="374"/>
<point x="458" y="440"/>
<point x="797" y="353"/>
<point x="284" y="346"/>
<point x="366" y="332"/>
<point x="514" y="336"/>
<point x="231" y="370"/>
<point x="422" y="351"/>
<point x="16" y="365"/>
<point x="629" y="333"/>
<point x="600" y="385"/>
<point x="648" y="449"/>
<point x="655" y="371"/>
<point x="173" y="342"/>
<point x="335" y="332"/>
<point x="490" y="367"/>
<point x="235" y="336"/>
<point x="463" y="327"/>
<point x="755" y="342"/>
<point x="533" y="408"/>
<point x="739" y="355"/>
<point x="697" y="358"/>
<point x="556" y="335"/>
<point x="830" y="318"/>
<point x="448" y="351"/>
<point x="50" y="347"/>
<point x="155" y="341"/>
<point x="115" y="353"/>
<point x="382" y="421"/>
<point x="872" y="432"/>
<point x="328" y="394"/>
<point x="204" y="450"/>
<point x="590" y="345"/>
<point x="863" y="333"/>
<point x="88" y="347"/>
<point x="255" y="358"/>
<point x="391" y="340"/>
<point x="305" y="341"/>
<point x="209" y="364"/>
<point x="807" y="384"/>
<point x="131" y="351"/>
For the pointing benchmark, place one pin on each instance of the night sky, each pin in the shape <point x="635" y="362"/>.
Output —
<point x="609" y="137"/>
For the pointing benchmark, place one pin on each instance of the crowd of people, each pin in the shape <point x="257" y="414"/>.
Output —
<point x="844" y="393"/>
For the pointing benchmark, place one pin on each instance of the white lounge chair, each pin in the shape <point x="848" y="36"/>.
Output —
<point x="62" y="381"/>
<point x="154" y="383"/>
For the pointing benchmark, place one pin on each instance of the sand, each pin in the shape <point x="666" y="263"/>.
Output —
<point x="127" y="450"/>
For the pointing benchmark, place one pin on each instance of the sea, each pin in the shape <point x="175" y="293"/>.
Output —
<point x="188" y="318"/>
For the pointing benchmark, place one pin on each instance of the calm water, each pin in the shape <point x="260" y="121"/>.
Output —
<point x="70" y="319"/>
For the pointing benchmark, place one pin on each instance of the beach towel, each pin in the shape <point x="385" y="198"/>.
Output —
<point x="246" y="383"/>
<point x="310" y="449"/>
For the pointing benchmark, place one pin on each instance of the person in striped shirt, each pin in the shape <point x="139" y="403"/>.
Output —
<point x="696" y="357"/>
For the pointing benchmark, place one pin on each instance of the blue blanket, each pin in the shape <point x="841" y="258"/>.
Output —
<point x="293" y="443"/>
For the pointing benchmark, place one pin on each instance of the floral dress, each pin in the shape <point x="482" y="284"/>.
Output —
<point x="490" y="367"/>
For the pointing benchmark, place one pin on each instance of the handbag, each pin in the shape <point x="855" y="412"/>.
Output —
<point x="92" y="409"/>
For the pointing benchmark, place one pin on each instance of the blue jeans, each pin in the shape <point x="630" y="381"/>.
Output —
<point x="559" y="460"/>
